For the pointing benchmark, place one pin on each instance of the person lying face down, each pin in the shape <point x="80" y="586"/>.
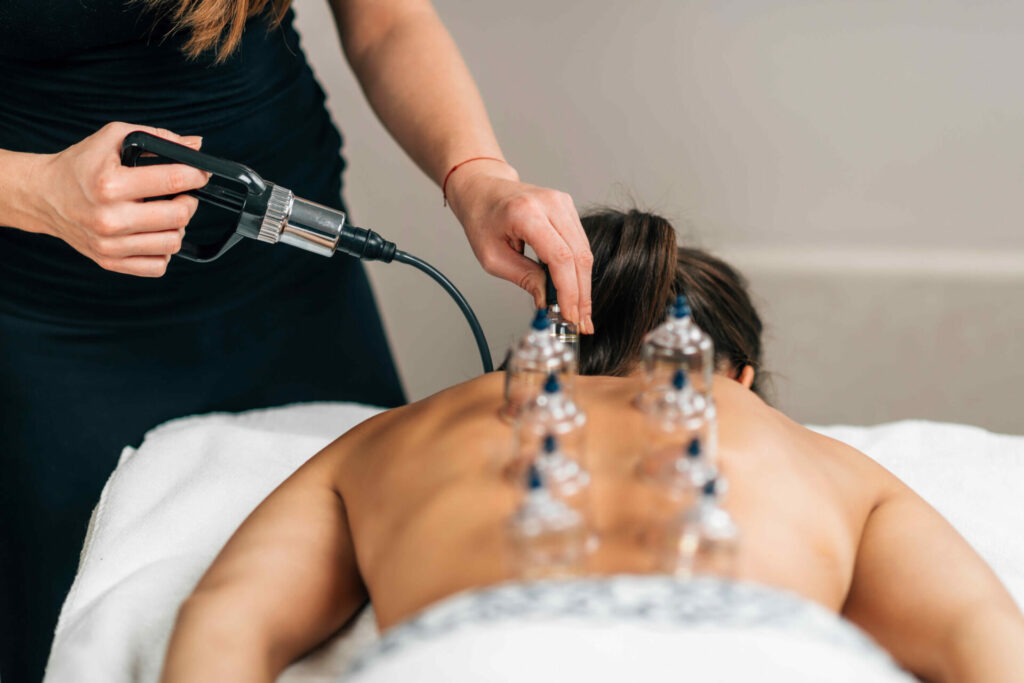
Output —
<point x="409" y="508"/>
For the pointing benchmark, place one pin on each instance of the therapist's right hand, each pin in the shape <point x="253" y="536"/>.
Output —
<point x="92" y="202"/>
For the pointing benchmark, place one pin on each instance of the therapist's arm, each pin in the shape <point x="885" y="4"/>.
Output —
<point x="17" y="172"/>
<point x="923" y="593"/>
<point x="84" y="196"/>
<point x="419" y="86"/>
<point x="285" y="581"/>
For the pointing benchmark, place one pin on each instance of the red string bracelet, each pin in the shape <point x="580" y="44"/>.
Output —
<point x="444" y="185"/>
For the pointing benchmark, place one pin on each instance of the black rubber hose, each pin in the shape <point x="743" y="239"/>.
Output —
<point x="474" y="324"/>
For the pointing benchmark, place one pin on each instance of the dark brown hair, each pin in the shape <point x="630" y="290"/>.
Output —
<point x="216" y="24"/>
<point x="638" y="271"/>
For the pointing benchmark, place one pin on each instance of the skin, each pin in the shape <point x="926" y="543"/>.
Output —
<point x="410" y="507"/>
<point x="420" y="88"/>
<point x="416" y="82"/>
<point x="84" y="196"/>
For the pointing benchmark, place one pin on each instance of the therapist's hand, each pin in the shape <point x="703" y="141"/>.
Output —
<point x="84" y="196"/>
<point x="501" y="214"/>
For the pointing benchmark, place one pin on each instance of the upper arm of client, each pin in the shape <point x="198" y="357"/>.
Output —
<point x="285" y="581"/>
<point x="929" y="599"/>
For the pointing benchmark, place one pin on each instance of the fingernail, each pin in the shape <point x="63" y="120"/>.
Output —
<point x="588" y="324"/>
<point x="574" y="315"/>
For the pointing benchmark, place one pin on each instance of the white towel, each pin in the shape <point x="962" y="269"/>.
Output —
<point x="626" y="628"/>
<point x="170" y="506"/>
<point x="163" y="516"/>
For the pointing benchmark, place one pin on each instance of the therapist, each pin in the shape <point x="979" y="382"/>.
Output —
<point x="103" y="336"/>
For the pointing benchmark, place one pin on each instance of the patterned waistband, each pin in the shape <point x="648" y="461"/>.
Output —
<point x="649" y="599"/>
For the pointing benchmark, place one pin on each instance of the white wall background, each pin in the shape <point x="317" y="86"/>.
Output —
<point x="862" y="162"/>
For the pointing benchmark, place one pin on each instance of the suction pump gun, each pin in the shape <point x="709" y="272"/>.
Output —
<point x="273" y="214"/>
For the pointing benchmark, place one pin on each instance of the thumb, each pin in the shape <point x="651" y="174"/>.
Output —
<point x="520" y="271"/>
<point x="119" y="130"/>
<point x="193" y="141"/>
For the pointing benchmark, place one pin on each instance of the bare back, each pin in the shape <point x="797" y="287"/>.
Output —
<point x="427" y="505"/>
<point x="410" y="507"/>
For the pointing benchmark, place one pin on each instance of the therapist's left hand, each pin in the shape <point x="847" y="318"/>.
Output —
<point x="500" y="215"/>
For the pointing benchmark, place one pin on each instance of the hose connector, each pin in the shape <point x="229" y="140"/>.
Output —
<point x="324" y="231"/>
<point x="365" y="244"/>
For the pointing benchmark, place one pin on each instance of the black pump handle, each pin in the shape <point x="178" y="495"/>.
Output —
<point x="140" y="141"/>
<point x="230" y="187"/>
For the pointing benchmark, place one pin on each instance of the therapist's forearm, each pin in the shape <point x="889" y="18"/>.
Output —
<point x="18" y="171"/>
<point x="422" y="91"/>
<point x="417" y="83"/>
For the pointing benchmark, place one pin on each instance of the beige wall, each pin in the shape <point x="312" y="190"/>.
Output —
<point x="861" y="161"/>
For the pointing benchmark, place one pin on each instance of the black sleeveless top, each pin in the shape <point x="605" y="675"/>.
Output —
<point x="90" y="359"/>
<point x="68" y="67"/>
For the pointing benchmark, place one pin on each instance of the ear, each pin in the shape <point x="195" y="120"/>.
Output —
<point x="746" y="376"/>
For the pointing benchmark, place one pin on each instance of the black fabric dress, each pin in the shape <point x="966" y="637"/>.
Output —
<point x="90" y="359"/>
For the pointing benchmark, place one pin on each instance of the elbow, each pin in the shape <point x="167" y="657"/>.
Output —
<point x="364" y="32"/>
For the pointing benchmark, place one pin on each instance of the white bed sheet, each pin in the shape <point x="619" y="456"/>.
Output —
<point x="172" y="504"/>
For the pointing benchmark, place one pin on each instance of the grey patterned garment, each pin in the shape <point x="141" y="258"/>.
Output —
<point x="651" y="599"/>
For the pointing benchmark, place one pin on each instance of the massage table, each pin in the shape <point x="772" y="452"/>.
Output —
<point x="172" y="503"/>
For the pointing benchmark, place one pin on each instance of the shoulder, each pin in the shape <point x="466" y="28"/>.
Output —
<point x="477" y="396"/>
<point x="756" y="426"/>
